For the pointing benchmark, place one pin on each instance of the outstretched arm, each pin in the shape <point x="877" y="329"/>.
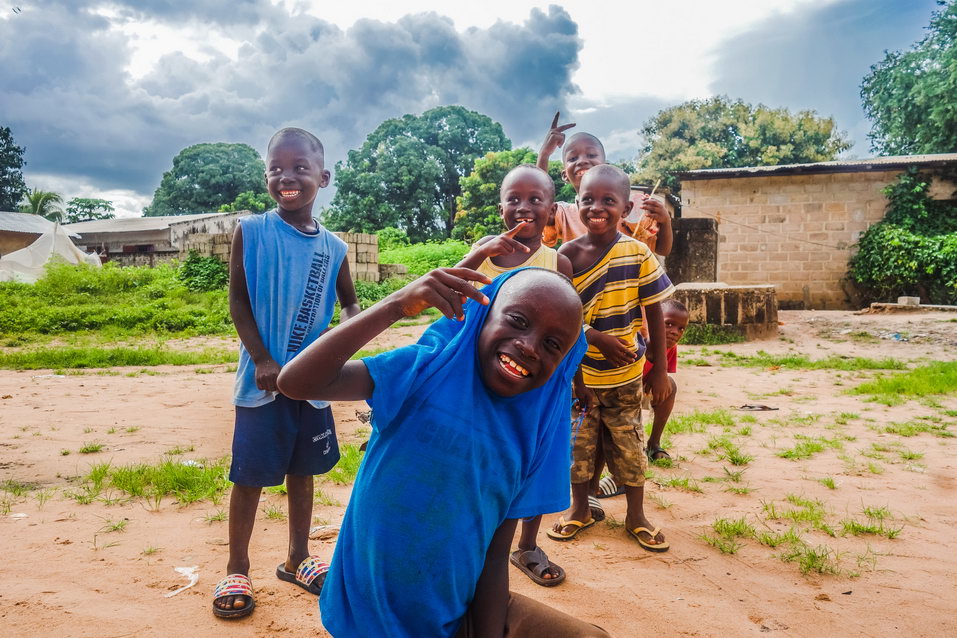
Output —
<point x="323" y="370"/>
<point x="504" y="244"/>
<point x="490" y="605"/>
<point x="554" y="140"/>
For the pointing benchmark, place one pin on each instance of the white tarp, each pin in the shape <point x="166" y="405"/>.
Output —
<point x="27" y="264"/>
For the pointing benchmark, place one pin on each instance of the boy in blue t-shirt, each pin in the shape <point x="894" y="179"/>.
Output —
<point x="283" y="267"/>
<point x="470" y="433"/>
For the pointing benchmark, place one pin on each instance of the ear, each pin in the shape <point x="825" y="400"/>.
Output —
<point x="501" y="211"/>
<point x="628" y="206"/>
<point x="565" y="177"/>
<point x="324" y="178"/>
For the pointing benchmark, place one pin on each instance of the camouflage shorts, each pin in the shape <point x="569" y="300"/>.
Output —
<point x="617" y="419"/>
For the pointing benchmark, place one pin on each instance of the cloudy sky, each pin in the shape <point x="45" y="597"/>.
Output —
<point x="103" y="94"/>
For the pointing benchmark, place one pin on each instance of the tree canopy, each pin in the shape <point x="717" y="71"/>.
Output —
<point x="909" y="95"/>
<point x="84" y="209"/>
<point x="406" y="174"/>
<point x="477" y="214"/>
<point x="249" y="200"/>
<point x="12" y="187"/>
<point x="43" y="203"/>
<point x="720" y="133"/>
<point x="207" y="176"/>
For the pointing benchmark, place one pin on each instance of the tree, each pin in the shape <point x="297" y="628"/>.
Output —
<point x="43" y="203"/>
<point x="249" y="200"/>
<point x="909" y="95"/>
<point x="719" y="133"/>
<point x="12" y="187"/>
<point x="478" y="214"/>
<point x="84" y="209"/>
<point x="207" y="176"/>
<point x="406" y="174"/>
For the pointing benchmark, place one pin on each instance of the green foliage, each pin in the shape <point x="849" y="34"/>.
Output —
<point x="84" y="209"/>
<point x="421" y="258"/>
<point x="346" y="469"/>
<point x="203" y="273"/>
<point x="939" y="377"/>
<point x="59" y="357"/>
<point x="207" y="176"/>
<point x="12" y="187"/>
<point x="709" y="334"/>
<point x="121" y="301"/>
<point x="187" y="482"/>
<point x="800" y="362"/>
<point x="477" y="206"/>
<point x="249" y="200"/>
<point x="719" y="133"/>
<point x="406" y="174"/>
<point x="46" y="204"/>
<point x="909" y="94"/>
<point x="390" y="237"/>
<point x="913" y="251"/>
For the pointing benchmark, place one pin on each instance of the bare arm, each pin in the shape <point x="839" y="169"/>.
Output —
<point x="489" y="607"/>
<point x="554" y="139"/>
<point x="241" y="311"/>
<point x="346" y="292"/>
<point x="323" y="370"/>
<point x="491" y="246"/>
<point x="657" y="378"/>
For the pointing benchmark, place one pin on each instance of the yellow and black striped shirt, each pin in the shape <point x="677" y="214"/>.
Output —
<point x="612" y="291"/>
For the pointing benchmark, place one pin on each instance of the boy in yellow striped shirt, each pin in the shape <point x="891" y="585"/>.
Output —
<point x="615" y="276"/>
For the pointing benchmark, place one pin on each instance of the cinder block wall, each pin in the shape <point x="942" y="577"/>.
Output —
<point x="793" y="231"/>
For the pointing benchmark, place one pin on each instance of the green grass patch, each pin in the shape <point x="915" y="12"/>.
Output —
<point x="186" y="482"/>
<point x="939" y="377"/>
<point x="807" y="446"/>
<point x="344" y="473"/>
<point x="421" y="258"/>
<point x="775" y="539"/>
<point x="685" y="483"/>
<point x="915" y="427"/>
<point x="698" y="421"/>
<point x="59" y="358"/>
<point x="828" y="482"/>
<point x="800" y="362"/>
<point x="709" y="334"/>
<point x="91" y="448"/>
<point x="727" y="532"/>
<point x="820" y="559"/>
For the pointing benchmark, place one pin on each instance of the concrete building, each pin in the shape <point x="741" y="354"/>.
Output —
<point x="161" y="235"/>
<point x="795" y="225"/>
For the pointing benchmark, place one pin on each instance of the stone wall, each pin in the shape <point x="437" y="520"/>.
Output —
<point x="793" y="231"/>
<point x="751" y="310"/>
<point x="694" y="253"/>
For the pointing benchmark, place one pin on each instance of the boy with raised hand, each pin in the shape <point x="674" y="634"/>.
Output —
<point x="582" y="152"/>
<point x="283" y="269"/>
<point x="615" y="276"/>
<point x="481" y="401"/>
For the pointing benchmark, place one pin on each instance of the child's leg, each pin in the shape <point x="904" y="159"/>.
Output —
<point x="584" y="447"/>
<point x="243" y="503"/>
<point x="599" y="466"/>
<point x="528" y="542"/>
<point x="299" y="490"/>
<point x="532" y="619"/>
<point x="662" y="412"/>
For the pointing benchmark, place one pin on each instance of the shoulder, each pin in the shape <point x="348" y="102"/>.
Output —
<point x="573" y="247"/>
<point x="564" y="265"/>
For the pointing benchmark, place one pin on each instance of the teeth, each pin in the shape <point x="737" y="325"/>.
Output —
<point x="288" y="193"/>
<point x="511" y="365"/>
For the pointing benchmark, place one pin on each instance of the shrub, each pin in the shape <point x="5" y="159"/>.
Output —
<point x="203" y="273"/>
<point x="421" y="258"/>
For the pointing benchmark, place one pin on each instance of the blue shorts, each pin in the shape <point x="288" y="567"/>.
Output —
<point x="280" y="438"/>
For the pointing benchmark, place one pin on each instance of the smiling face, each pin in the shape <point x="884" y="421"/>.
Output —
<point x="531" y="326"/>
<point x="581" y="152"/>
<point x="295" y="173"/>
<point x="676" y="320"/>
<point x="527" y="195"/>
<point x="604" y="199"/>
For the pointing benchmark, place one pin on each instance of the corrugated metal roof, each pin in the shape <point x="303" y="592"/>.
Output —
<point x="133" y="224"/>
<point x="27" y="223"/>
<point x="891" y="162"/>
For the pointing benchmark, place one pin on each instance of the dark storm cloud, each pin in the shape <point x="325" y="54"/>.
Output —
<point x="816" y="58"/>
<point x="71" y="104"/>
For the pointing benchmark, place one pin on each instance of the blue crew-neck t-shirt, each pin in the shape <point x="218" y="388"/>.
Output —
<point x="447" y="463"/>
<point x="291" y="279"/>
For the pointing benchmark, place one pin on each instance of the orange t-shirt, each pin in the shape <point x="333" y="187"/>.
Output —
<point x="569" y="225"/>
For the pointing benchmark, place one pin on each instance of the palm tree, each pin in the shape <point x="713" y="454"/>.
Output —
<point x="43" y="203"/>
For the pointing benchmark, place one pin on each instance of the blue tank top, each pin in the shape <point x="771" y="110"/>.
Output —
<point x="291" y="279"/>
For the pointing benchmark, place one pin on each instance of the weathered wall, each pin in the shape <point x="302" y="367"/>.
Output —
<point x="221" y="223"/>
<point x="12" y="241"/>
<point x="793" y="231"/>
<point x="694" y="252"/>
<point x="751" y="310"/>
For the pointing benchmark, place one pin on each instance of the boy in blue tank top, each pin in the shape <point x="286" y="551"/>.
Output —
<point x="283" y="267"/>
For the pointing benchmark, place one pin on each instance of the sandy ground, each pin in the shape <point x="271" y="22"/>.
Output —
<point x="63" y="574"/>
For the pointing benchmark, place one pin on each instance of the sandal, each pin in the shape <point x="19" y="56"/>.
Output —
<point x="534" y="563"/>
<point x="234" y="585"/>
<point x="651" y="547"/>
<point x="608" y="488"/>
<point x="597" y="511"/>
<point x="310" y="575"/>
<point x="651" y="451"/>
<point x="578" y="525"/>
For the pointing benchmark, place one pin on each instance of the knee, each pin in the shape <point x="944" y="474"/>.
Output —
<point x="674" y="386"/>
<point x="596" y="632"/>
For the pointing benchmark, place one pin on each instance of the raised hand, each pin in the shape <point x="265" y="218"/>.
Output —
<point x="445" y="289"/>
<point x="655" y="210"/>
<point x="555" y="138"/>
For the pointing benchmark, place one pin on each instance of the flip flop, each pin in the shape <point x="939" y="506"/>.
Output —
<point x="657" y="450"/>
<point x="756" y="407"/>
<point x="657" y="547"/>
<point x="310" y="575"/>
<point x="534" y="563"/>
<point x="608" y="488"/>
<point x="597" y="511"/>
<point x="234" y="585"/>
<point x="578" y="525"/>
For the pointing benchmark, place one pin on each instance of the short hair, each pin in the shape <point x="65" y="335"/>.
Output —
<point x="620" y="177"/>
<point x="532" y="271"/>
<point x="314" y="144"/>
<point x="674" y="304"/>
<point x="546" y="176"/>
<point x="587" y="136"/>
